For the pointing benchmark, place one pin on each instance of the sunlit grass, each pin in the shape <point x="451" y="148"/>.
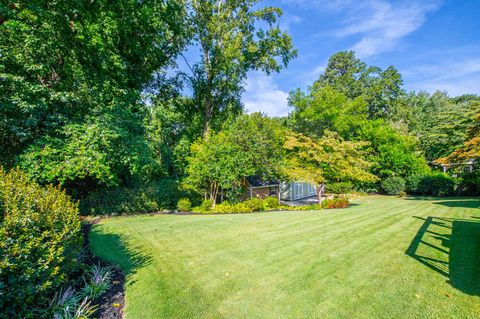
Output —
<point x="381" y="258"/>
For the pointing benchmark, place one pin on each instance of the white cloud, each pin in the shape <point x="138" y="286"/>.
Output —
<point x="382" y="24"/>
<point x="459" y="76"/>
<point x="262" y="94"/>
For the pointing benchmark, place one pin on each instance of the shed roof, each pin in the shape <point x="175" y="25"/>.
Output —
<point x="258" y="181"/>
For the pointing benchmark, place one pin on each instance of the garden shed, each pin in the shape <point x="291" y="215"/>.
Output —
<point x="297" y="190"/>
<point x="257" y="187"/>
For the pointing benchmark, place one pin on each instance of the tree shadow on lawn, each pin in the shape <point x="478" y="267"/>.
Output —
<point x="451" y="247"/>
<point x="463" y="202"/>
<point x="114" y="249"/>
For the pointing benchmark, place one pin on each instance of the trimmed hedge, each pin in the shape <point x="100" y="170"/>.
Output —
<point x="393" y="185"/>
<point x="40" y="243"/>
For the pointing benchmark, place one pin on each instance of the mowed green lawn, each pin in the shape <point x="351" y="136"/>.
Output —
<point x="381" y="258"/>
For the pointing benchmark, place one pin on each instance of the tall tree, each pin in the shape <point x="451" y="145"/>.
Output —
<point x="325" y="160"/>
<point x="251" y="145"/>
<point x="68" y="67"/>
<point x="233" y="37"/>
<point x="381" y="89"/>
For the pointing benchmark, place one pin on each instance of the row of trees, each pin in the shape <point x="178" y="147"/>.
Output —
<point x="92" y="97"/>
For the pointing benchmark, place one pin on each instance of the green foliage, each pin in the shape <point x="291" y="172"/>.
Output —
<point x="271" y="203"/>
<point x="89" y="156"/>
<point x="251" y="145"/>
<point x="255" y="204"/>
<point x="97" y="281"/>
<point x="336" y="103"/>
<point x="336" y="202"/>
<point x="233" y="38"/>
<point x="328" y="159"/>
<point x="339" y="188"/>
<point x="184" y="205"/>
<point x="392" y="153"/>
<point x="66" y="60"/>
<point x="206" y="205"/>
<point x="434" y="184"/>
<point x="225" y="208"/>
<point x="323" y="108"/>
<point x="380" y="89"/>
<point x="40" y="243"/>
<point x="152" y="197"/>
<point x="393" y="185"/>
<point x="301" y="208"/>
<point x="441" y="122"/>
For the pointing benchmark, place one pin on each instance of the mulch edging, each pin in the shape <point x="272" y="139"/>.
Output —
<point x="111" y="303"/>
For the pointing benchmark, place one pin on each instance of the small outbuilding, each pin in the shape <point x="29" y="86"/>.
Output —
<point x="257" y="187"/>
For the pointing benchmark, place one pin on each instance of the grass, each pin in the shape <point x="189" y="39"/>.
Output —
<point x="381" y="258"/>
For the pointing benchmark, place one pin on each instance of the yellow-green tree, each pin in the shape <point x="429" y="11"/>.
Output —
<point x="324" y="160"/>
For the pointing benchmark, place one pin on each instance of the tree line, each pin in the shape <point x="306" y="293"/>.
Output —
<point x="93" y="98"/>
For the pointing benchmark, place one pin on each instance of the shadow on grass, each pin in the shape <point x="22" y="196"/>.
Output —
<point x="464" y="203"/>
<point x="451" y="247"/>
<point x="114" y="249"/>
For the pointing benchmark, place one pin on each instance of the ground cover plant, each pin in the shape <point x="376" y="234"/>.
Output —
<point x="383" y="257"/>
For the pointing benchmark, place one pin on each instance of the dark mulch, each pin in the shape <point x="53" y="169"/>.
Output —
<point x="111" y="303"/>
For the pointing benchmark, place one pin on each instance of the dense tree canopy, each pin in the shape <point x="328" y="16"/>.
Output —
<point x="381" y="89"/>
<point x="251" y="145"/>
<point x="73" y="68"/>
<point x="325" y="160"/>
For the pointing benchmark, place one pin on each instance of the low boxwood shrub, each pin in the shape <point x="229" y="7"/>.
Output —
<point x="339" y="188"/>
<point x="393" y="185"/>
<point x="255" y="204"/>
<point x="40" y="243"/>
<point x="271" y="202"/>
<point x="184" y="205"/>
<point x="336" y="202"/>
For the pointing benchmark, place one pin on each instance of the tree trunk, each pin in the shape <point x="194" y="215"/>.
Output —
<point x="208" y="118"/>
<point x="320" y="190"/>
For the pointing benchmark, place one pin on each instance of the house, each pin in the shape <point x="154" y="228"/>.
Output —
<point x="256" y="187"/>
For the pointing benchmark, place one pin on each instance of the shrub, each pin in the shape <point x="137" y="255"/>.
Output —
<point x="184" y="205"/>
<point x="206" y="205"/>
<point x="413" y="184"/>
<point x="402" y="194"/>
<point x="437" y="184"/>
<point x="339" y="188"/>
<point x="225" y="208"/>
<point x="271" y="202"/>
<point x="98" y="280"/>
<point x="161" y="195"/>
<point x="393" y="185"/>
<point x="434" y="184"/>
<point x="300" y="208"/>
<point x="255" y="204"/>
<point x="40" y="242"/>
<point x="336" y="202"/>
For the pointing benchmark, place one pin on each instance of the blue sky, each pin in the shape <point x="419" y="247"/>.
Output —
<point x="434" y="44"/>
